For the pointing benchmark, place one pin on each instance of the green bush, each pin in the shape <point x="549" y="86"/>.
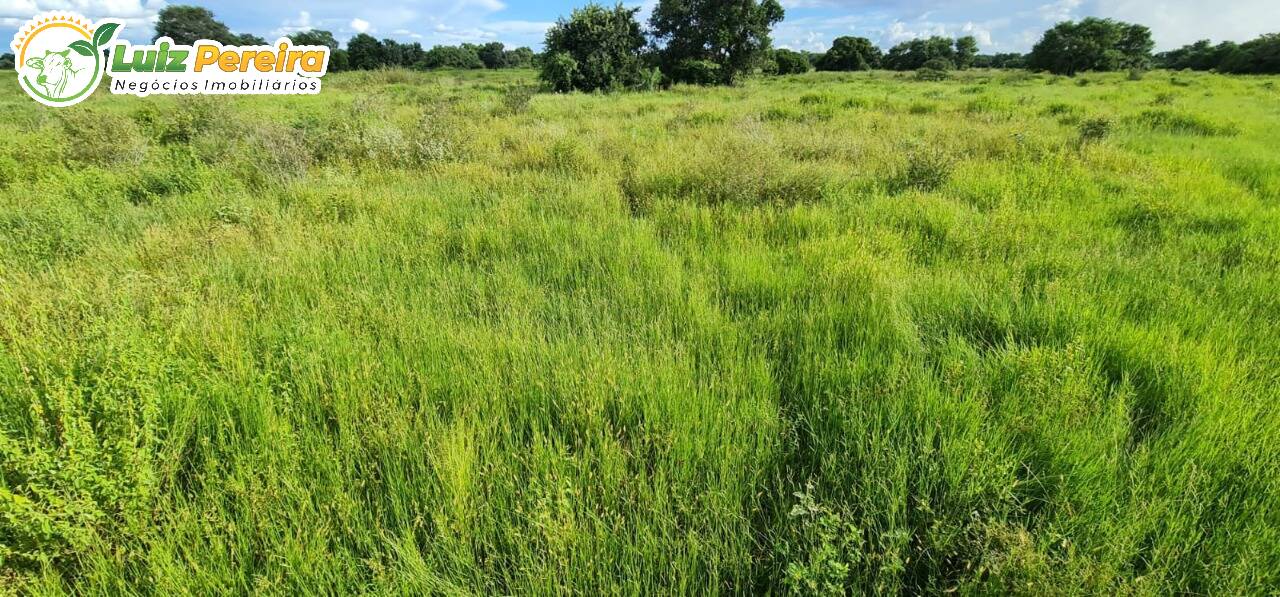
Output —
<point x="1183" y="123"/>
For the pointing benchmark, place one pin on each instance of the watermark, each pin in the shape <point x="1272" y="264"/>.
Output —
<point x="62" y="57"/>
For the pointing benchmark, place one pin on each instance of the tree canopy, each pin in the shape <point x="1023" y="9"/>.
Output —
<point x="596" y="48"/>
<point x="716" y="39"/>
<point x="187" y="24"/>
<point x="1092" y="45"/>
<point x="849" y="54"/>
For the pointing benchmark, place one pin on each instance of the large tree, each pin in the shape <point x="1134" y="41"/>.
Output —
<point x="493" y="55"/>
<point x="850" y="53"/>
<point x="366" y="52"/>
<point x="1092" y="45"/>
<point x="724" y="38"/>
<point x="187" y="24"/>
<point x="595" y="48"/>
<point x="913" y="54"/>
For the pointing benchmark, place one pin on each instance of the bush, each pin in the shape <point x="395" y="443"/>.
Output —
<point x="602" y="47"/>
<point x="697" y="72"/>
<point x="925" y="170"/>
<point x="516" y="99"/>
<point x="101" y="138"/>
<point x="791" y="63"/>
<point x="1186" y="124"/>
<point x="559" y="71"/>
<point x="1094" y="129"/>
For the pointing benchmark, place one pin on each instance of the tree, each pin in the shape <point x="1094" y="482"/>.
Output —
<point x="452" y="57"/>
<point x="851" y="53"/>
<point x="187" y="24"/>
<point x="913" y="54"/>
<point x="1093" y="44"/>
<point x="366" y="52"/>
<point x="966" y="51"/>
<point x="314" y="37"/>
<point x="249" y="39"/>
<point x="6" y="61"/>
<point x="493" y="55"/>
<point x="791" y="63"/>
<point x="731" y="34"/>
<point x="519" y="58"/>
<point x="597" y="48"/>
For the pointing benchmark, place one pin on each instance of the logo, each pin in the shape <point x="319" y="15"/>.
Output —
<point x="60" y="56"/>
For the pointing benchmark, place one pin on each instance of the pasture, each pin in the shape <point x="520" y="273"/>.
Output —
<point x="434" y="333"/>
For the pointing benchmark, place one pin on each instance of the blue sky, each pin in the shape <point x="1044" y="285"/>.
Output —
<point x="999" y="25"/>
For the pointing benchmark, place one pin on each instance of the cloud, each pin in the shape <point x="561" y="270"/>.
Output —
<point x="359" y="25"/>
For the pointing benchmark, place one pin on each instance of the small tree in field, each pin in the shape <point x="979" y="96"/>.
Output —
<point x="966" y="51"/>
<point x="791" y="63"/>
<point x="597" y="48"/>
<point x="732" y="35"/>
<point x="851" y="53"/>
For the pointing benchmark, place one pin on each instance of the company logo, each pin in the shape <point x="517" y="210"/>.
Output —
<point x="61" y="58"/>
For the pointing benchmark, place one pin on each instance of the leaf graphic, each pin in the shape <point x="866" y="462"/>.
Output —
<point x="105" y="32"/>
<point x="82" y="47"/>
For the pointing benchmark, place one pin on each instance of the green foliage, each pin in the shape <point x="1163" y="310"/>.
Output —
<point x="925" y="170"/>
<point x="966" y="52"/>
<point x="560" y="72"/>
<point x="314" y="37"/>
<point x="187" y="24"/>
<point x="453" y="57"/>
<point x="1170" y="121"/>
<point x="789" y="62"/>
<point x="366" y="52"/>
<point x="851" y="54"/>
<point x="1093" y="44"/>
<point x="596" y="49"/>
<point x="6" y="61"/>
<point x="914" y="54"/>
<point x="734" y="37"/>
<point x="1094" y="130"/>
<point x="493" y="55"/>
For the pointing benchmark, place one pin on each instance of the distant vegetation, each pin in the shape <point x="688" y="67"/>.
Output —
<point x="696" y="41"/>
<point x="1256" y="57"/>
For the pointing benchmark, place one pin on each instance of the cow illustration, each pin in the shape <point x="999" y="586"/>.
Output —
<point x="55" y="71"/>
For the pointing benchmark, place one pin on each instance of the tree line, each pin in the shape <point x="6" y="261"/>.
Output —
<point x="712" y="42"/>
<point x="186" y="24"/>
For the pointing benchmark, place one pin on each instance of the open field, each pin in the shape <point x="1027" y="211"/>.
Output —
<point x="1004" y="333"/>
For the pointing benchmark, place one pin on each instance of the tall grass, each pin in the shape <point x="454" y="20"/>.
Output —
<point x="823" y="334"/>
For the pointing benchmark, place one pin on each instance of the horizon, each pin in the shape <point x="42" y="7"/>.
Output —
<point x="998" y="25"/>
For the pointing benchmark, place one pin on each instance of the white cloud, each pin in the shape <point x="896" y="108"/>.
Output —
<point x="359" y="25"/>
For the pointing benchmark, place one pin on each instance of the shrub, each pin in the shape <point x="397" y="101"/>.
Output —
<point x="937" y="69"/>
<point x="1094" y="129"/>
<point x="789" y="62"/>
<point x="1182" y="123"/>
<point x="516" y="98"/>
<point x="101" y="138"/>
<point x="696" y="72"/>
<point x="559" y="71"/>
<point x="597" y="48"/>
<point x="924" y="170"/>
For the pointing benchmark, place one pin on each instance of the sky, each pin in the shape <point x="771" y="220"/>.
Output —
<point x="998" y="25"/>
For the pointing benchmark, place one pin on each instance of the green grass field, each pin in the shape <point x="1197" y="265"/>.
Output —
<point x="1000" y="334"/>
